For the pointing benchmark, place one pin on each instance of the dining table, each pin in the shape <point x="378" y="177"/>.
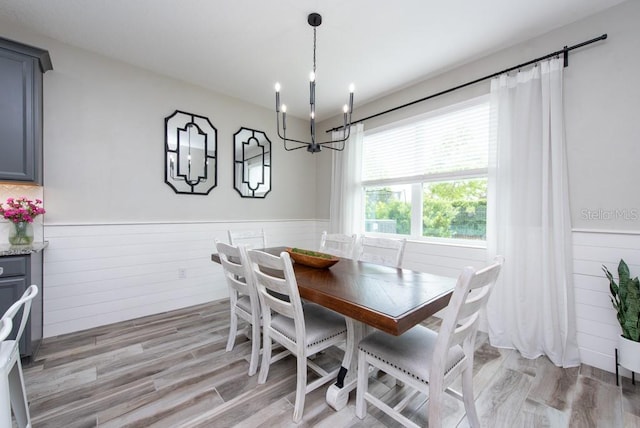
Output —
<point x="370" y="296"/>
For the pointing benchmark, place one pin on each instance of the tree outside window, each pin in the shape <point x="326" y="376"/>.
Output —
<point x="450" y="209"/>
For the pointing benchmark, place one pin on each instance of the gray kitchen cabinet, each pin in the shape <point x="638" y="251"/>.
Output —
<point x="17" y="273"/>
<point x="21" y="71"/>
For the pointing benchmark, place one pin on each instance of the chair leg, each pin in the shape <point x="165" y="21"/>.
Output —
<point x="467" y="397"/>
<point x="362" y="386"/>
<point x="5" y="403"/>
<point x="266" y="357"/>
<point x="301" y="388"/>
<point x="255" y="348"/>
<point x="18" y="395"/>
<point x="436" y="393"/>
<point x="233" y="329"/>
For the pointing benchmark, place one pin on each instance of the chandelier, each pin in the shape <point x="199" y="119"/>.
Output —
<point x="314" y="19"/>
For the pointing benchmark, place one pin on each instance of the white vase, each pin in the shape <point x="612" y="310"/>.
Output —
<point x="629" y="354"/>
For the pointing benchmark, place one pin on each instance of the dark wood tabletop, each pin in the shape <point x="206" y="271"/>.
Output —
<point x="390" y="299"/>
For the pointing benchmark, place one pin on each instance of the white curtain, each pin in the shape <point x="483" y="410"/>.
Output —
<point x="346" y="188"/>
<point x="532" y="306"/>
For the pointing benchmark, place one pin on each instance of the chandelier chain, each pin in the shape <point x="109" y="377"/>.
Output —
<point x="314" y="49"/>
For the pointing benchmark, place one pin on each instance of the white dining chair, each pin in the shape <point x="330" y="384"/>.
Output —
<point x="243" y="297"/>
<point x="428" y="361"/>
<point x="337" y="244"/>
<point x="251" y="239"/>
<point x="301" y="330"/>
<point x="12" y="389"/>
<point x="383" y="251"/>
<point x="5" y="401"/>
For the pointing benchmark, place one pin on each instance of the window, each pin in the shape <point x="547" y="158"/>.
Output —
<point x="427" y="176"/>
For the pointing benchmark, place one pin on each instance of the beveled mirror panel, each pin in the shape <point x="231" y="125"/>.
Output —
<point x="190" y="153"/>
<point x="252" y="163"/>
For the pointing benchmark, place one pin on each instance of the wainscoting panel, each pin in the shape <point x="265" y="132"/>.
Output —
<point x="101" y="274"/>
<point x="597" y="326"/>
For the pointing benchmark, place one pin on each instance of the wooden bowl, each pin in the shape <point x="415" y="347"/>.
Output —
<point x="313" y="261"/>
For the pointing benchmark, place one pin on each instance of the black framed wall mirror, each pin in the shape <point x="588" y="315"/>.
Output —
<point x="252" y="163"/>
<point x="190" y="153"/>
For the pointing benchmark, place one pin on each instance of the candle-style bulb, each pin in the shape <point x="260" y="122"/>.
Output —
<point x="284" y="118"/>
<point x="345" y="108"/>
<point x="351" y="89"/>
<point x="312" y="76"/>
<point x="277" y="87"/>
<point x="313" y="115"/>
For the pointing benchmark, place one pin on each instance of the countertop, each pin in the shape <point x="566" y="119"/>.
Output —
<point x="16" y="250"/>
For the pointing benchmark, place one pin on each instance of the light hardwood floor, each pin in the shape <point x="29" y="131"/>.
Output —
<point x="171" y="370"/>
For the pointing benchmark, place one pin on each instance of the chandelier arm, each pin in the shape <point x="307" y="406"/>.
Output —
<point x="291" y="140"/>
<point x="302" y="146"/>
<point x="345" y="137"/>
<point x="339" y="140"/>
<point x="337" y="149"/>
<point x="332" y="142"/>
<point x="285" y="139"/>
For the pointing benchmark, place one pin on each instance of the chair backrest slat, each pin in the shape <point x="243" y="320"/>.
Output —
<point x="464" y="330"/>
<point x="277" y="288"/>
<point x="474" y="303"/>
<point x="25" y="303"/>
<point x="461" y="319"/>
<point x="249" y="238"/>
<point x="384" y="251"/>
<point x="5" y="328"/>
<point x="278" y="305"/>
<point x="337" y="244"/>
<point x="234" y="261"/>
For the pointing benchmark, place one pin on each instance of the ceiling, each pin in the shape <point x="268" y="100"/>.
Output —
<point x="242" y="47"/>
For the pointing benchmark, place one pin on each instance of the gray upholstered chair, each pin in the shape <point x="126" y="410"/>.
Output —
<point x="249" y="238"/>
<point x="243" y="297"/>
<point x="302" y="331"/>
<point x="428" y="361"/>
<point x="383" y="251"/>
<point x="12" y="389"/>
<point x="337" y="244"/>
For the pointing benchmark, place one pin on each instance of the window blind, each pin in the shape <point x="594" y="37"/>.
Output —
<point x="443" y="142"/>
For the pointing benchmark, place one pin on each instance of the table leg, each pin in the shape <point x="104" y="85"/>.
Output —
<point x="338" y="394"/>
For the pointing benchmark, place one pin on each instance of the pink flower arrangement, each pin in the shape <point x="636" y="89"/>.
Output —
<point x="21" y="209"/>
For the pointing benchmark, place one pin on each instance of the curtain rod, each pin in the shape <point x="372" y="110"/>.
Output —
<point x="564" y="51"/>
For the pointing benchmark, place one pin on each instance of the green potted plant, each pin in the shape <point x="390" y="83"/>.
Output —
<point x="625" y="297"/>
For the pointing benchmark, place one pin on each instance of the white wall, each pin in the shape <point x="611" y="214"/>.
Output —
<point x="104" y="145"/>
<point x="602" y="130"/>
